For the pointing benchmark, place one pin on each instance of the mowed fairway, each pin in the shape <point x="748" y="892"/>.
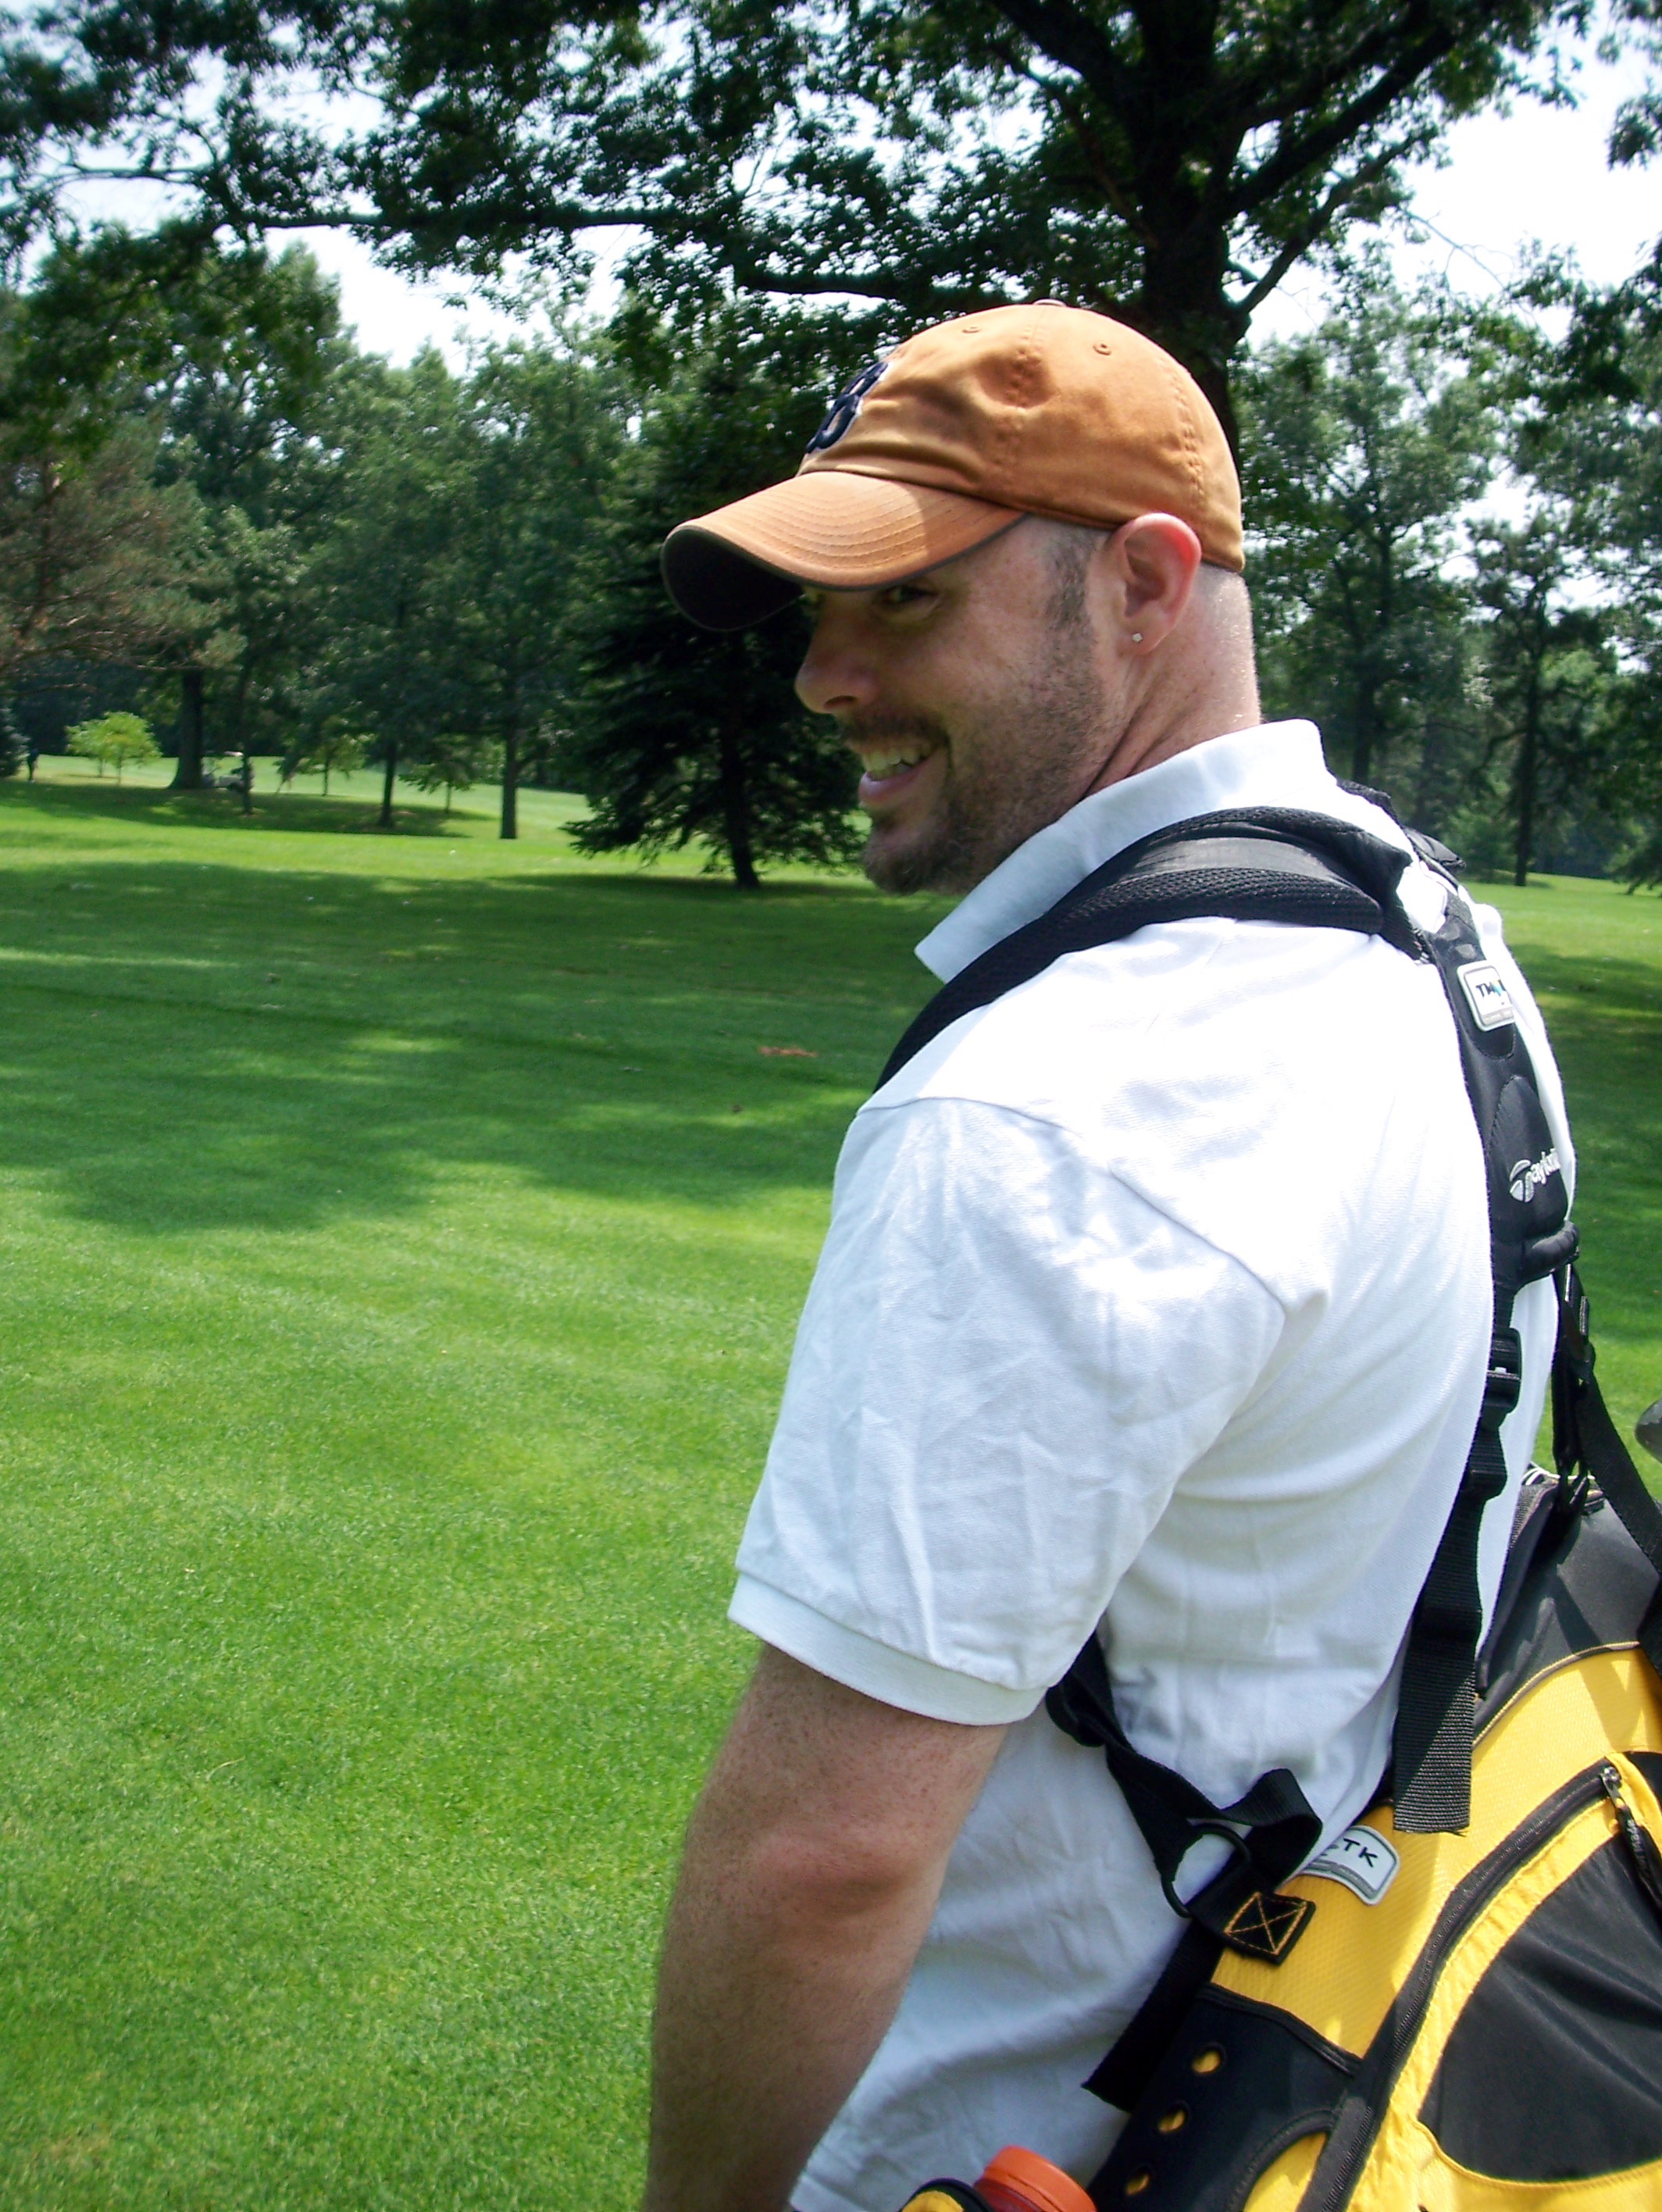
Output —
<point x="403" y="1239"/>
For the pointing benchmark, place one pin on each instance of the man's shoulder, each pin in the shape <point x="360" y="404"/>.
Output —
<point x="1205" y="1007"/>
<point x="1245" y="1078"/>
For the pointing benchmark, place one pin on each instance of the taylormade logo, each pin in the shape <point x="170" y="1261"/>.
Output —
<point x="1525" y="1177"/>
<point x="1485" y="994"/>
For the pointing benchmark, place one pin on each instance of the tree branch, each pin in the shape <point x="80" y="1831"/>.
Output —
<point x="1248" y="96"/>
<point x="1316" y="148"/>
<point x="1309" y="231"/>
<point x="1074" y="42"/>
<point x="1115" y="190"/>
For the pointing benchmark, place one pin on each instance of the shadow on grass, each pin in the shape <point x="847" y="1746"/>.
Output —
<point x="188" y="1046"/>
<point x="1605" y="1013"/>
<point x="159" y="807"/>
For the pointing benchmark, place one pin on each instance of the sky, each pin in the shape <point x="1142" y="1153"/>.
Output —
<point x="1536" y="175"/>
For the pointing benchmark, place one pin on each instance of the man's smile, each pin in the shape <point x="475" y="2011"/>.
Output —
<point x="892" y="765"/>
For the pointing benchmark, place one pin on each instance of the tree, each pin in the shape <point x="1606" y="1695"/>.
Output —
<point x="97" y="562"/>
<point x="543" y="424"/>
<point x="1547" y="670"/>
<point x="1573" y="597"/>
<point x="333" y="751"/>
<point x="13" y="752"/>
<point x="1362" y="443"/>
<point x="684" y="734"/>
<point x="451" y="763"/>
<point x="387" y="574"/>
<point x="242" y="366"/>
<point x="219" y="367"/>
<point x="1171" y="163"/>
<point x="116" y="741"/>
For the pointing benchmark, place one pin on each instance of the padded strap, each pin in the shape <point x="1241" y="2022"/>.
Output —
<point x="1529" y="1234"/>
<point x="1263" y="864"/>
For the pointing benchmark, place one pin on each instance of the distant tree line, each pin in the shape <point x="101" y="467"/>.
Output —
<point x="300" y="546"/>
<point x="217" y="512"/>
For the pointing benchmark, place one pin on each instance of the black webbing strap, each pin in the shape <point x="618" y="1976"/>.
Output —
<point x="1270" y="1831"/>
<point x="1260" y="864"/>
<point x="1584" y="1436"/>
<point x="1436" y="1704"/>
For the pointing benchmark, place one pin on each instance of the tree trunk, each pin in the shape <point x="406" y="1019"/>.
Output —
<point x="387" y="782"/>
<point x="1529" y="749"/>
<point x="1366" y="745"/>
<point x="187" y="776"/>
<point x="1183" y="305"/>
<point x="736" y="818"/>
<point x="248" y="783"/>
<point x="511" y="783"/>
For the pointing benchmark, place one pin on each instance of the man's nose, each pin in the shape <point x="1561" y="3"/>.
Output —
<point x="836" y="677"/>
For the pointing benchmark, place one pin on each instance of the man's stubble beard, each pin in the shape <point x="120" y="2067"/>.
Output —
<point x="1016" y="770"/>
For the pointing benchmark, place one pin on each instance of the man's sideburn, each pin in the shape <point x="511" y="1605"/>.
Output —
<point x="1024" y="763"/>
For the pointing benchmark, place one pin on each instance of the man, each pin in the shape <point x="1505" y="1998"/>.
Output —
<point x="1155" y="1301"/>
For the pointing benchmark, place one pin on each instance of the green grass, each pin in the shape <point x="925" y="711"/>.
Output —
<point x="401" y="1240"/>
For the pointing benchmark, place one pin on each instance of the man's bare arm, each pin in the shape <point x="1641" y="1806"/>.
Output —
<point x="812" y="1863"/>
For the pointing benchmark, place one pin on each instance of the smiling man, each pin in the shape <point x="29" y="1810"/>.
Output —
<point x="1154" y="1306"/>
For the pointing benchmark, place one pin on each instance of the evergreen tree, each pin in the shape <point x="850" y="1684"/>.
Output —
<point x="13" y="752"/>
<point x="684" y="733"/>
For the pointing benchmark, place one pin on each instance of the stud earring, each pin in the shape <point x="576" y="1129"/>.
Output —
<point x="1137" y="637"/>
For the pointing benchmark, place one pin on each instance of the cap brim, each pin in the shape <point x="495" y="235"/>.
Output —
<point x="830" y="527"/>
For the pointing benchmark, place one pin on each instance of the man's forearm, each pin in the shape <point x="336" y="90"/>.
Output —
<point x="797" y="1918"/>
<point x="775" y="1989"/>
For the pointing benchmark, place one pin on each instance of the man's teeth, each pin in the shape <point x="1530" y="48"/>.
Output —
<point x="890" y="764"/>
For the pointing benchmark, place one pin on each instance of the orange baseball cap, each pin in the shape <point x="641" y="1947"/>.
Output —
<point x="950" y="439"/>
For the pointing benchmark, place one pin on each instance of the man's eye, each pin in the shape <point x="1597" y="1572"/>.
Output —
<point x="903" y="595"/>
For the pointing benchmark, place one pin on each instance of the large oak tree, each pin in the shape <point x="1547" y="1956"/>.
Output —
<point x="1170" y="159"/>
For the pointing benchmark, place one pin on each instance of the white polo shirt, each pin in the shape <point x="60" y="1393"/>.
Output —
<point x="1156" y="1295"/>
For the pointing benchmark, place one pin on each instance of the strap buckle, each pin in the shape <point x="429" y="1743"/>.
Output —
<point x="1504" y="1379"/>
<point x="1574" y="1327"/>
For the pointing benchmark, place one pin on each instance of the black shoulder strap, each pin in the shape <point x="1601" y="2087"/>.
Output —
<point x="1530" y="1235"/>
<point x="1263" y="863"/>
<point x="1293" y="868"/>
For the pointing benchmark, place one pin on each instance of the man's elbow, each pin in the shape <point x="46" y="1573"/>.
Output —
<point x="812" y="1883"/>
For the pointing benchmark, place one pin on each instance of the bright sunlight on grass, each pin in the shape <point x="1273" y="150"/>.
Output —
<point x="403" y="1238"/>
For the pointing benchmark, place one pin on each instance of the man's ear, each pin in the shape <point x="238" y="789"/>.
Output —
<point x="1152" y="563"/>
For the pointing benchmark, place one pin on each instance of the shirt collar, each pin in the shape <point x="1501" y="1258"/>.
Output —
<point x="1277" y="764"/>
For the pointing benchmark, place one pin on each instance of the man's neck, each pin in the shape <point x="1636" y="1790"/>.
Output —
<point x="1152" y="737"/>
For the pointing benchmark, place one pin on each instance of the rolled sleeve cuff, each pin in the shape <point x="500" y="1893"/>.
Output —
<point x="860" y="1662"/>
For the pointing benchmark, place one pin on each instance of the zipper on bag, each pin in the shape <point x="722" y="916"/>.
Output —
<point x="1641" y="1846"/>
<point x="1364" y="2106"/>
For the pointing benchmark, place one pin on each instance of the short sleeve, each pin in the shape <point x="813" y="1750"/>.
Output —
<point x="1006" y="1362"/>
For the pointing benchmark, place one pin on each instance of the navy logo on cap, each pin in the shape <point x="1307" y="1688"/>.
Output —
<point x="844" y="407"/>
